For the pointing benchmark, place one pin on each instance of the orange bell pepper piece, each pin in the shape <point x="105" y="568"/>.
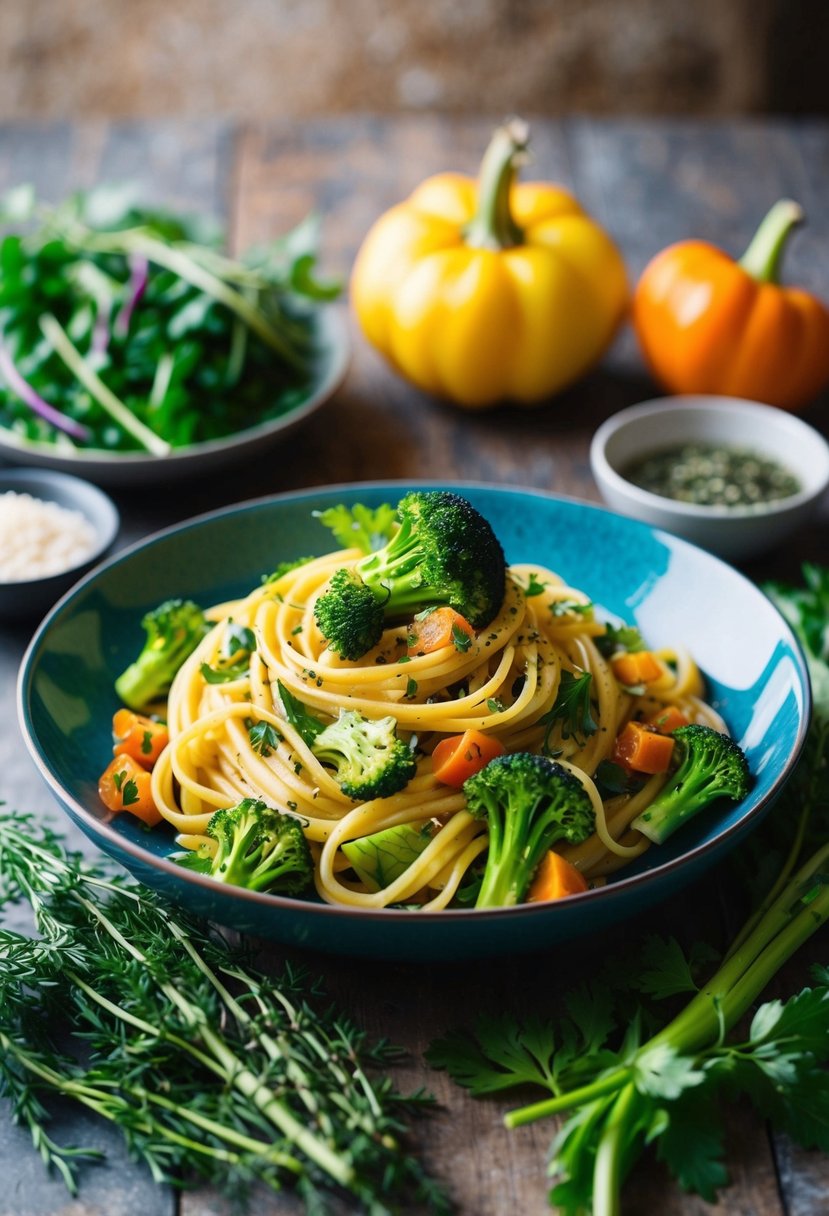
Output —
<point x="642" y="749"/>
<point x="440" y="627"/>
<point x="460" y="756"/>
<point x="637" y="667"/>
<point x="709" y="324"/>
<point x="125" y="786"/>
<point x="139" y="737"/>
<point x="554" y="879"/>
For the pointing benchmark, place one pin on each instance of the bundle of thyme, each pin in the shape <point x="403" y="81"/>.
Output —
<point x="212" y="1070"/>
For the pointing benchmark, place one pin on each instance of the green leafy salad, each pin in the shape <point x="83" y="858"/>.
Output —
<point x="126" y="329"/>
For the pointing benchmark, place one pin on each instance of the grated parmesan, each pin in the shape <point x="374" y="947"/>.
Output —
<point x="40" y="538"/>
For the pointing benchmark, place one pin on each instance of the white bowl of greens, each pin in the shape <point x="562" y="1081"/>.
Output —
<point x="133" y="350"/>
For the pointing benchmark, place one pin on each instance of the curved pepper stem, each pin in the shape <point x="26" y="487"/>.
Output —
<point x="762" y="258"/>
<point x="492" y="226"/>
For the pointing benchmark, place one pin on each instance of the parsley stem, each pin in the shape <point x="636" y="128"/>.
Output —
<point x="783" y="928"/>
<point x="609" y="1165"/>
<point x="809" y="798"/>
<point x="576" y="1097"/>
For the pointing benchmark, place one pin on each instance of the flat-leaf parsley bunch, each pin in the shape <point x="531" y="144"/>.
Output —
<point x="627" y="1075"/>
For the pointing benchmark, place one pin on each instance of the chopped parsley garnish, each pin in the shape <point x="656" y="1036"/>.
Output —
<point x="571" y="608"/>
<point x="264" y="738"/>
<point x="620" y="637"/>
<point x="129" y="792"/>
<point x="146" y="742"/>
<point x="572" y="709"/>
<point x="534" y="587"/>
<point x="460" y="639"/>
<point x="411" y="688"/>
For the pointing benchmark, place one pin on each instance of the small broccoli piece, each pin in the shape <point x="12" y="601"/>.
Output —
<point x="174" y="630"/>
<point x="444" y="552"/>
<point x="348" y="615"/>
<point x="370" y="760"/>
<point x="529" y="803"/>
<point x="257" y="848"/>
<point x="710" y="766"/>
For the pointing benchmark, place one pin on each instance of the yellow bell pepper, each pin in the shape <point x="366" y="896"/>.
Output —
<point x="500" y="291"/>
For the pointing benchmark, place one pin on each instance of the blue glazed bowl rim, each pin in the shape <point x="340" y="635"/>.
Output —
<point x="620" y="887"/>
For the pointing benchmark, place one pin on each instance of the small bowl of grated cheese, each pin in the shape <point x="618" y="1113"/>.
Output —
<point x="53" y="528"/>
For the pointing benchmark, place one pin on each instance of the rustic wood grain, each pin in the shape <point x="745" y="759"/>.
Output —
<point x="650" y="183"/>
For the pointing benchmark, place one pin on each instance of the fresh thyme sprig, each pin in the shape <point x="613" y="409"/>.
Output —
<point x="211" y="1069"/>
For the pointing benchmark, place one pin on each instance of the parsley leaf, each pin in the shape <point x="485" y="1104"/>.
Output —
<point x="571" y="709"/>
<point x="461" y="639"/>
<point x="360" y="527"/>
<point x="129" y="792"/>
<point x="571" y="608"/>
<point x="619" y="637"/>
<point x="303" y="721"/>
<point x="223" y="675"/>
<point x="534" y="587"/>
<point x="498" y="1055"/>
<point x="264" y="737"/>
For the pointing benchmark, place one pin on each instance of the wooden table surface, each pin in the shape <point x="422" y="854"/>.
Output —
<point x="649" y="183"/>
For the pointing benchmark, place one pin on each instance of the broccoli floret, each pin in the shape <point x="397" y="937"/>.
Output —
<point x="256" y="847"/>
<point x="443" y="552"/>
<point x="529" y="803"/>
<point x="710" y="766"/>
<point x="349" y="616"/>
<point x="370" y="760"/>
<point x="174" y="630"/>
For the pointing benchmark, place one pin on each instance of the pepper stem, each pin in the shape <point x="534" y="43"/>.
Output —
<point x="762" y="258"/>
<point x="492" y="226"/>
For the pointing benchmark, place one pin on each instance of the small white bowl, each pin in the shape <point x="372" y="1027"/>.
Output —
<point x="731" y="532"/>
<point x="30" y="598"/>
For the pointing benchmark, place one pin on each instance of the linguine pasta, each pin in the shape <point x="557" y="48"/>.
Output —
<point x="503" y="683"/>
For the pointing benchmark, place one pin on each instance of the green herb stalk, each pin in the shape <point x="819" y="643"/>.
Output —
<point x="662" y="1089"/>
<point x="210" y="1068"/>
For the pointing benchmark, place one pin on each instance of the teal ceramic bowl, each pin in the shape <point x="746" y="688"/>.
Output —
<point x="675" y="593"/>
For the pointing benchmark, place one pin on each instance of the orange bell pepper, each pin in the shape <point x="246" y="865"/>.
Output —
<point x="438" y="628"/>
<point x="637" y="667"/>
<point x="458" y="757"/>
<point x="709" y="324"/>
<point x="555" y="878"/>
<point x="642" y="749"/>
<point x="125" y="786"/>
<point x="135" y="735"/>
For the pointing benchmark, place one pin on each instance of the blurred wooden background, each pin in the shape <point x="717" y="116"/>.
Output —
<point x="266" y="59"/>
